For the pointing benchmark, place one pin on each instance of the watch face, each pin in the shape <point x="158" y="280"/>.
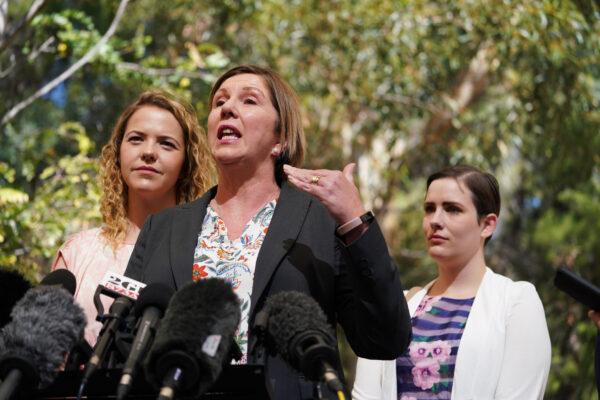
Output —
<point x="367" y="217"/>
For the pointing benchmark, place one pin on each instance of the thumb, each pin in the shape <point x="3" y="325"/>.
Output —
<point x="348" y="171"/>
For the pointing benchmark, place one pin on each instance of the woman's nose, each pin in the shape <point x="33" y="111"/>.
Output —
<point x="149" y="153"/>
<point x="435" y="225"/>
<point x="228" y="109"/>
<point x="436" y="220"/>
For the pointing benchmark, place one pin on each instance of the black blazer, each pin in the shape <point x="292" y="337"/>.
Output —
<point x="356" y="285"/>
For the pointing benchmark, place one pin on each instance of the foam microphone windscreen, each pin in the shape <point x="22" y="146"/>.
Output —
<point x="154" y="295"/>
<point x="296" y="320"/>
<point x="200" y="321"/>
<point x="46" y="324"/>
<point x="13" y="287"/>
<point x="63" y="278"/>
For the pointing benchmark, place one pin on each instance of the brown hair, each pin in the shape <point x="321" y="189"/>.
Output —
<point x="284" y="99"/>
<point x="196" y="172"/>
<point x="485" y="191"/>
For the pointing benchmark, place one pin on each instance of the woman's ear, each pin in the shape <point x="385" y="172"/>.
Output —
<point x="276" y="151"/>
<point x="488" y="225"/>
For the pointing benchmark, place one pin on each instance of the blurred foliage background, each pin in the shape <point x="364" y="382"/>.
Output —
<point x="401" y="87"/>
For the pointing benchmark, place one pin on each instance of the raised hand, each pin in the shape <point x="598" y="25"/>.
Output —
<point x="335" y="189"/>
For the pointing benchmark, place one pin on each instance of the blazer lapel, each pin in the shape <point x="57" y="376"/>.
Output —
<point x="414" y="302"/>
<point x="185" y="227"/>
<point x="469" y="373"/>
<point x="284" y="229"/>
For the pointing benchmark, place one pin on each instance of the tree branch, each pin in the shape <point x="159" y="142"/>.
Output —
<point x="161" y="71"/>
<point x="71" y="70"/>
<point x="471" y="84"/>
<point x="7" y="39"/>
<point x="43" y="48"/>
<point x="34" y="54"/>
<point x="3" y="16"/>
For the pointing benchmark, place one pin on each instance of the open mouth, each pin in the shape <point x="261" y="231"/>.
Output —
<point x="228" y="132"/>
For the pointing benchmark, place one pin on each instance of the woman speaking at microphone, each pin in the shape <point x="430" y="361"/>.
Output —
<point x="156" y="157"/>
<point x="476" y="334"/>
<point x="264" y="235"/>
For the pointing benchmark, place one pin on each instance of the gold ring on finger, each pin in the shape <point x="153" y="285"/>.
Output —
<point x="315" y="179"/>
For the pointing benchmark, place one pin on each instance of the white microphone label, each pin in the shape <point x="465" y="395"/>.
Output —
<point x="122" y="285"/>
<point x="211" y="344"/>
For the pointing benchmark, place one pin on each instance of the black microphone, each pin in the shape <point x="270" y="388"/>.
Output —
<point x="63" y="278"/>
<point x="116" y="314"/>
<point x="297" y="329"/>
<point x="13" y="287"/>
<point x="125" y="291"/>
<point x="149" y="308"/>
<point x="46" y="324"/>
<point x="194" y="338"/>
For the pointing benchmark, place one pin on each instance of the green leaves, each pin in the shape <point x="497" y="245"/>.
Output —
<point x="401" y="87"/>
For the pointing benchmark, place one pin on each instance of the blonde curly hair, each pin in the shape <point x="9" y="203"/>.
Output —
<point x="197" y="171"/>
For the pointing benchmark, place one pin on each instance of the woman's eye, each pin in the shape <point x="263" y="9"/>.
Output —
<point x="249" y="101"/>
<point x="168" y="144"/>
<point x="453" y="209"/>
<point x="428" y="209"/>
<point x="219" y="102"/>
<point x="134" y="138"/>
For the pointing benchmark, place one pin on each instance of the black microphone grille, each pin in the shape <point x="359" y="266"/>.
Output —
<point x="200" y="322"/>
<point x="154" y="295"/>
<point x="292" y="313"/>
<point x="62" y="277"/>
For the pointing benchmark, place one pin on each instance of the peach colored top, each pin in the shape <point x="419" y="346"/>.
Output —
<point x="88" y="256"/>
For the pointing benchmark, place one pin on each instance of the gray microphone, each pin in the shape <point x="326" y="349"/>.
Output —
<point x="46" y="324"/>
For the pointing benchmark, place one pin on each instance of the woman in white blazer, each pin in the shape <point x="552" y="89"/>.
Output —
<point x="476" y="334"/>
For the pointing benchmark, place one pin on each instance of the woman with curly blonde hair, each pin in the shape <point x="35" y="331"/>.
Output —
<point x="156" y="157"/>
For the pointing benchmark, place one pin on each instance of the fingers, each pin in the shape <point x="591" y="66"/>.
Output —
<point x="348" y="171"/>
<point x="316" y="182"/>
<point x="335" y="189"/>
<point x="315" y="176"/>
<point x="302" y="183"/>
<point x="305" y="175"/>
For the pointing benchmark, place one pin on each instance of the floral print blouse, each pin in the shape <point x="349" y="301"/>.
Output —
<point x="233" y="260"/>
<point x="426" y="369"/>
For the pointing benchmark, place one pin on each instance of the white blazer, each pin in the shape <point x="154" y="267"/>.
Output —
<point x="504" y="352"/>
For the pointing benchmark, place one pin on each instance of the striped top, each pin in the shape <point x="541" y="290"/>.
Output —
<point x="426" y="369"/>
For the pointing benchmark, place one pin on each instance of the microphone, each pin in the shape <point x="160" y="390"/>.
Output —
<point x="194" y="338"/>
<point x="297" y="329"/>
<point x="149" y="308"/>
<point x="116" y="314"/>
<point x="125" y="290"/>
<point x="13" y="287"/>
<point x="116" y="285"/>
<point x="63" y="278"/>
<point x="46" y="324"/>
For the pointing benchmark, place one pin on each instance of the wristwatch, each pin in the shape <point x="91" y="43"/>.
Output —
<point x="366" y="218"/>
